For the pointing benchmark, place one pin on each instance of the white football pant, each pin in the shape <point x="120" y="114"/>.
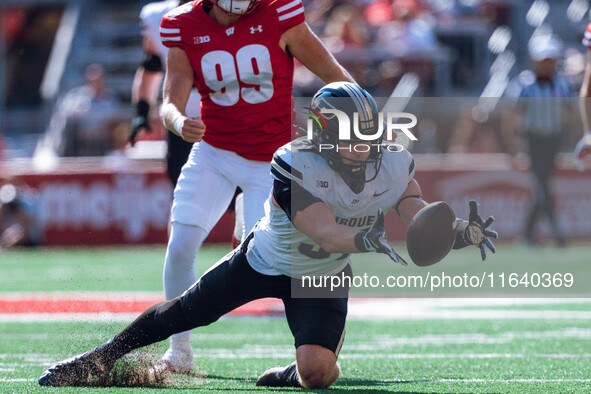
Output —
<point x="203" y="192"/>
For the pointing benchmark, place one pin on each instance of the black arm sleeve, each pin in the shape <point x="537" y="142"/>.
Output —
<point x="142" y="108"/>
<point x="404" y="198"/>
<point x="152" y="63"/>
<point x="292" y="198"/>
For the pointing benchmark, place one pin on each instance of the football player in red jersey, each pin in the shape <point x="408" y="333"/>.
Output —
<point x="583" y="147"/>
<point x="239" y="55"/>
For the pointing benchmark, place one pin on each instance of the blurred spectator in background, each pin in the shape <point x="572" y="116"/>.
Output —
<point x="345" y="29"/>
<point x="378" y="12"/>
<point x="17" y="215"/>
<point x="346" y="37"/>
<point x="544" y="111"/>
<point x="378" y="41"/>
<point x="78" y="126"/>
<point x="30" y="33"/>
<point x="405" y="43"/>
<point x="410" y="30"/>
<point x="146" y="86"/>
<point x="318" y="12"/>
<point x="583" y="148"/>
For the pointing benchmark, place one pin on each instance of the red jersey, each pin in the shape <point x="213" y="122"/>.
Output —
<point x="587" y="36"/>
<point x="244" y="77"/>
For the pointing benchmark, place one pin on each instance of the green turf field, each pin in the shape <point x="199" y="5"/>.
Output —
<point x="546" y="352"/>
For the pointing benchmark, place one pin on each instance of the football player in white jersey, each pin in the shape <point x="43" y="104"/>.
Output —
<point x="146" y="86"/>
<point x="324" y="205"/>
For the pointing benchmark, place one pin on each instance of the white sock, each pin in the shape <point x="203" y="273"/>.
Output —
<point x="180" y="267"/>
<point x="181" y="342"/>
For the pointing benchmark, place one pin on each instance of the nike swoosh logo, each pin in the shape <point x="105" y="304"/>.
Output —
<point x="375" y="194"/>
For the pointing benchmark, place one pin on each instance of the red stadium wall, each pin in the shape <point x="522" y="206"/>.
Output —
<point x="89" y="202"/>
<point x="92" y="204"/>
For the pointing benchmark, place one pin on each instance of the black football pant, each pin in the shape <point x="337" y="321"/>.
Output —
<point x="176" y="156"/>
<point x="229" y="284"/>
<point x="543" y="152"/>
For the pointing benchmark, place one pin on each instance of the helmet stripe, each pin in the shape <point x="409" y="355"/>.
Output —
<point x="353" y="92"/>
<point x="363" y="96"/>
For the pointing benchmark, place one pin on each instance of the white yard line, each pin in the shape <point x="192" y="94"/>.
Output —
<point x="85" y="295"/>
<point x="366" y="344"/>
<point x="286" y="352"/>
<point x="16" y="380"/>
<point x="359" y="308"/>
<point x="349" y="354"/>
<point x="399" y="356"/>
<point x="67" y="317"/>
<point x="361" y="381"/>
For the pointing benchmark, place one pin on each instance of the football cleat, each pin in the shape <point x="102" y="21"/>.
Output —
<point x="86" y="369"/>
<point x="280" y="377"/>
<point x="175" y="362"/>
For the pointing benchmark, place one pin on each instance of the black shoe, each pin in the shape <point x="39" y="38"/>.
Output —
<point x="82" y="370"/>
<point x="280" y="377"/>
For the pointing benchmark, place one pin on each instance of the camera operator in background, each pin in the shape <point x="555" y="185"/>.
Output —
<point x="80" y="124"/>
<point x="17" y="215"/>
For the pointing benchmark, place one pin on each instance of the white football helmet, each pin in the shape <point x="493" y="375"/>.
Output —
<point x="236" y="7"/>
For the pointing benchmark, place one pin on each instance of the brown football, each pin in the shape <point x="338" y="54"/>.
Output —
<point x="431" y="234"/>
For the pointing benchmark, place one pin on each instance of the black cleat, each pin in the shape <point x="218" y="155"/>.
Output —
<point x="82" y="370"/>
<point x="280" y="377"/>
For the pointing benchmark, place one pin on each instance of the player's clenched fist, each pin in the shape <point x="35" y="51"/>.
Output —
<point x="191" y="129"/>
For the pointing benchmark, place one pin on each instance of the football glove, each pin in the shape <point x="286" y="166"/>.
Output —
<point x="475" y="231"/>
<point x="375" y="240"/>
<point x="140" y="121"/>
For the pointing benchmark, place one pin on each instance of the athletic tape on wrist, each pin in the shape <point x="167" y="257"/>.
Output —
<point x="178" y="124"/>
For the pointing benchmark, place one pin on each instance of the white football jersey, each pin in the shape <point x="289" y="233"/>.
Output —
<point x="150" y="17"/>
<point x="279" y="248"/>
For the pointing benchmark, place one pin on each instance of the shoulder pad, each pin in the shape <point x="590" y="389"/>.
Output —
<point x="288" y="13"/>
<point x="180" y="10"/>
<point x="401" y="159"/>
<point x="170" y="26"/>
<point x="157" y="9"/>
<point x="281" y="166"/>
